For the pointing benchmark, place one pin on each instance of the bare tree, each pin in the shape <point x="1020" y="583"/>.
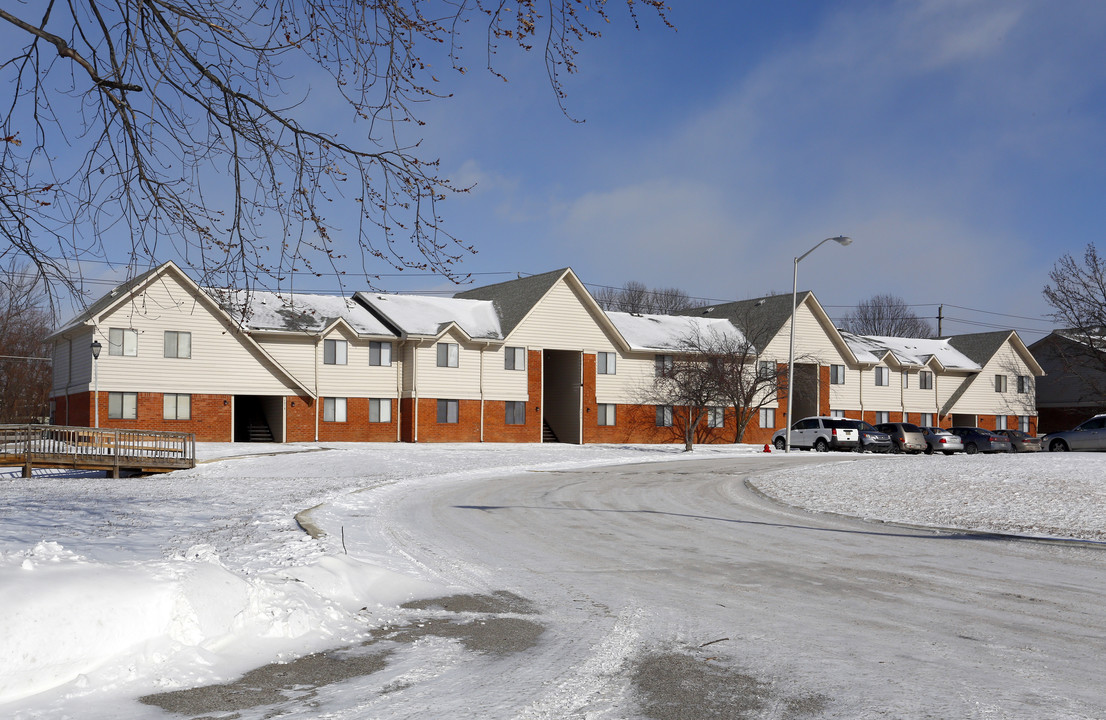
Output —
<point x="637" y="297"/>
<point x="193" y="129"/>
<point x="1077" y="294"/>
<point x="886" y="316"/>
<point x="25" y="371"/>
<point x="683" y="390"/>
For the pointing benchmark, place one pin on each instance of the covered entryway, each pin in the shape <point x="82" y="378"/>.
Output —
<point x="562" y="386"/>
<point x="963" y="420"/>
<point x="805" y="402"/>
<point x="258" y="418"/>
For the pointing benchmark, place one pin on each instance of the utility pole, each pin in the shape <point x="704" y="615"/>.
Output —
<point x="940" y="317"/>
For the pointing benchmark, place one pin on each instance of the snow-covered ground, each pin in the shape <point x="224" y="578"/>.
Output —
<point x="111" y="589"/>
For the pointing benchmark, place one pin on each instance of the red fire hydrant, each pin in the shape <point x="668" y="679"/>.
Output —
<point x="767" y="448"/>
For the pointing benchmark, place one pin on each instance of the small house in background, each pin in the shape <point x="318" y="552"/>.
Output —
<point x="1074" y="387"/>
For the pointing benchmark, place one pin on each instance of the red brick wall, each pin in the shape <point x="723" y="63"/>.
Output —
<point x="300" y="419"/>
<point x="496" y="428"/>
<point x="211" y="415"/>
<point x="466" y="429"/>
<point x="357" y="427"/>
<point x="638" y="424"/>
<point x="823" y="390"/>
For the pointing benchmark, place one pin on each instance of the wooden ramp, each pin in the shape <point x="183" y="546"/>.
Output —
<point x="84" y="448"/>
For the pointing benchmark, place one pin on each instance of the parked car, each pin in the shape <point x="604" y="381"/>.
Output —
<point x="905" y="437"/>
<point x="977" y="440"/>
<point x="941" y="440"/>
<point x="1089" y="435"/>
<point x="1021" y="441"/>
<point x="821" y="434"/>
<point x="871" y="440"/>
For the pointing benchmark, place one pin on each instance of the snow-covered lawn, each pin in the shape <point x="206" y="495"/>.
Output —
<point x="114" y="588"/>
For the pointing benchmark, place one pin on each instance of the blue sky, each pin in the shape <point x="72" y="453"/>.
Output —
<point x="959" y="142"/>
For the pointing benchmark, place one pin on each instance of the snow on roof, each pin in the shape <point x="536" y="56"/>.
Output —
<point x="908" y="351"/>
<point x="427" y="315"/>
<point x="262" y="310"/>
<point x="669" y="332"/>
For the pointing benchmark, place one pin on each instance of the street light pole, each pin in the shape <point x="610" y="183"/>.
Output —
<point x="96" y="346"/>
<point x="843" y="241"/>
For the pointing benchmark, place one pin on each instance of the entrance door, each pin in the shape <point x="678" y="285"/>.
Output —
<point x="562" y="388"/>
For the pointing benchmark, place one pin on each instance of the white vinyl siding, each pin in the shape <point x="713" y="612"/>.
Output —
<point x="178" y="344"/>
<point x="123" y="405"/>
<point x="123" y="342"/>
<point x="334" y="409"/>
<point x="461" y="382"/>
<point x="228" y="365"/>
<point x="176" y="406"/>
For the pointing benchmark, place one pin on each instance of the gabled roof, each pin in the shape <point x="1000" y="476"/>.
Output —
<point x="909" y="351"/>
<point x="116" y="295"/>
<point x="423" y="315"/>
<point x="765" y="317"/>
<point x="262" y="311"/>
<point x="670" y="332"/>
<point x="981" y="347"/>
<point x="513" y="299"/>
<point x="131" y="288"/>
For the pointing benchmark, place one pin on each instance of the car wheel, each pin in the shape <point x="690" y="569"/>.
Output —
<point x="781" y="444"/>
<point x="820" y="445"/>
<point x="929" y="449"/>
<point x="1058" y="446"/>
<point x="971" y="448"/>
<point x="896" y="449"/>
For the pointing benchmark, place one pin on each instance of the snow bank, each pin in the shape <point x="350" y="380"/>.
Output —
<point x="67" y="619"/>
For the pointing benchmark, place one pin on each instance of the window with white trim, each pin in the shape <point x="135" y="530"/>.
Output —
<point x="380" y="410"/>
<point x="766" y="368"/>
<point x="837" y="413"/>
<point x="605" y="413"/>
<point x="515" y="411"/>
<point x="925" y="380"/>
<point x="514" y="358"/>
<point x="716" y="417"/>
<point x="122" y="341"/>
<point x="768" y="417"/>
<point x="123" y="405"/>
<point x="178" y="344"/>
<point x="1023" y="423"/>
<point x="905" y="380"/>
<point x="662" y="365"/>
<point x="605" y="363"/>
<point x="334" y="352"/>
<point x="927" y="420"/>
<point x="380" y="353"/>
<point x="448" y="354"/>
<point x="334" y="409"/>
<point x="1000" y="422"/>
<point x="837" y="374"/>
<point x="448" y="411"/>
<point x="883" y="416"/>
<point x="176" y="406"/>
<point x="664" y="416"/>
<point x="1023" y="384"/>
<point x="883" y="375"/>
<point x="1000" y="383"/>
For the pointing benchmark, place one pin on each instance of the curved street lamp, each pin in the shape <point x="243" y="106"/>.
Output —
<point x="843" y="241"/>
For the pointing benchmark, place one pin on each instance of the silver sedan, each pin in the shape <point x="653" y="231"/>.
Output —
<point x="941" y="440"/>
